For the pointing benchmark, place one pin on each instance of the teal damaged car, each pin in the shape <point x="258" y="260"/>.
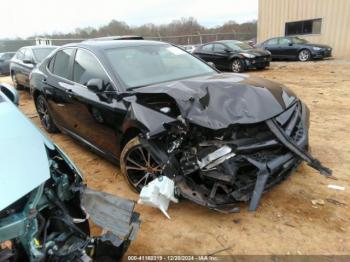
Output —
<point x="44" y="204"/>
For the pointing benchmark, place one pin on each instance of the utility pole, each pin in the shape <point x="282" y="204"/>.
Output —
<point x="200" y="38"/>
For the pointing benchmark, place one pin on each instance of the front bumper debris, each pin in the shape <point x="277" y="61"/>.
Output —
<point x="218" y="173"/>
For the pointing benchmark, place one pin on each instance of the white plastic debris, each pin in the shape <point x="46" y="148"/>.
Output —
<point x="336" y="187"/>
<point x="158" y="193"/>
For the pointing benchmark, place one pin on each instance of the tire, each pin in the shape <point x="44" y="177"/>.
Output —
<point x="304" y="55"/>
<point x="140" y="174"/>
<point x="15" y="82"/>
<point x="44" y="114"/>
<point x="237" y="65"/>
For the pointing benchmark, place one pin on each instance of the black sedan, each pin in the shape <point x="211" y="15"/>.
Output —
<point x="5" y="62"/>
<point x="23" y="62"/>
<point x="233" y="55"/>
<point x="295" y="48"/>
<point x="161" y="112"/>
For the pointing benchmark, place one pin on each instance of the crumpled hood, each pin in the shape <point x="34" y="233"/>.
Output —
<point x="220" y="100"/>
<point x="23" y="157"/>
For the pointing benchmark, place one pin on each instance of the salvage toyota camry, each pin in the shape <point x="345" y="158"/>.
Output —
<point x="44" y="204"/>
<point x="161" y="112"/>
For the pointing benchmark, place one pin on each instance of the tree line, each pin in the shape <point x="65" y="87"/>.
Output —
<point x="189" y="28"/>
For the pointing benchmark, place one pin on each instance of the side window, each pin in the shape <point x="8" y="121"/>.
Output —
<point x="284" y="41"/>
<point x="219" y="48"/>
<point x="28" y="55"/>
<point x="51" y="64"/>
<point x="86" y="67"/>
<point x="273" y="41"/>
<point x="207" y="47"/>
<point x="20" y="54"/>
<point x="61" y="63"/>
<point x="7" y="56"/>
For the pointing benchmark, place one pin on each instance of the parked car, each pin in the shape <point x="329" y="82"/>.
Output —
<point x="160" y="111"/>
<point x="44" y="205"/>
<point x="233" y="55"/>
<point x="24" y="61"/>
<point x="5" y="62"/>
<point x="293" y="47"/>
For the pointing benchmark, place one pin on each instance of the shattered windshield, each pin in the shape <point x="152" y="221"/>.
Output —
<point x="151" y="64"/>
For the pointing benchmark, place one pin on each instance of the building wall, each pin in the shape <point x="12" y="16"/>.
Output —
<point x="335" y="14"/>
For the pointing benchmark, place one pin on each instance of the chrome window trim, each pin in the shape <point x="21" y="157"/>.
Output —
<point x="71" y="81"/>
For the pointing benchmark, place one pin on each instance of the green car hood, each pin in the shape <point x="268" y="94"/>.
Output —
<point x="23" y="157"/>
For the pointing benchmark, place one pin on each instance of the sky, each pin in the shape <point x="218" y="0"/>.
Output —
<point x="29" y="17"/>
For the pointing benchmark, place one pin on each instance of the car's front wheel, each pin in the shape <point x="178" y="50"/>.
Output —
<point x="304" y="55"/>
<point x="44" y="114"/>
<point x="137" y="165"/>
<point x="237" y="65"/>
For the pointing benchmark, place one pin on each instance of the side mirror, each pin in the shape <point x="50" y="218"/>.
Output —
<point x="211" y="64"/>
<point x="95" y="85"/>
<point x="227" y="50"/>
<point x="10" y="92"/>
<point x="290" y="43"/>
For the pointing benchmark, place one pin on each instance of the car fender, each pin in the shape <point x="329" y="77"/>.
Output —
<point x="145" y="119"/>
<point x="235" y="55"/>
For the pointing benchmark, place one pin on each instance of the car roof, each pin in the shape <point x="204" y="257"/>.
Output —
<point x="222" y="42"/>
<point x="117" y="37"/>
<point x="229" y="41"/>
<point x="108" y="44"/>
<point x="39" y="46"/>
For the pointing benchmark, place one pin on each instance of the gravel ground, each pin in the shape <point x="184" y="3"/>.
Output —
<point x="287" y="222"/>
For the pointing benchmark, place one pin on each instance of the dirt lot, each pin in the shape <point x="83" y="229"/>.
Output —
<point x="286" y="222"/>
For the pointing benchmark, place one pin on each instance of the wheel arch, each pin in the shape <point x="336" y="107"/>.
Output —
<point x="128" y="134"/>
<point x="302" y="49"/>
<point x="36" y="93"/>
<point x="234" y="56"/>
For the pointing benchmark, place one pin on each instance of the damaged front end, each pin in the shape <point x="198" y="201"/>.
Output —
<point x="50" y="223"/>
<point x="218" y="167"/>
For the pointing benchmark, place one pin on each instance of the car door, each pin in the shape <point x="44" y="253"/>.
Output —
<point x="59" y="88"/>
<point x="98" y="117"/>
<point x="220" y="56"/>
<point x="18" y="67"/>
<point x="205" y="52"/>
<point x="272" y="46"/>
<point x="286" y="48"/>
<point x="27" y="66"/>
<point x="5" y="62"/>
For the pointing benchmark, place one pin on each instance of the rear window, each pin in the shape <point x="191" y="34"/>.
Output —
<point x="61" y="63"/>
<point x="207" y="47"/>
<point x="273" y="41"/>
<point x="41" y="53"/>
